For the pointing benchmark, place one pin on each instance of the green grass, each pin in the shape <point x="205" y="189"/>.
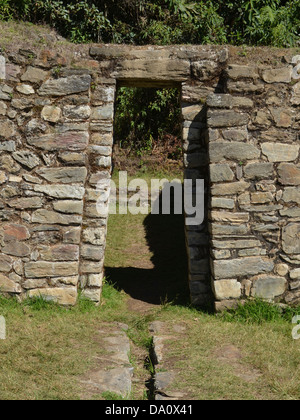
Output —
<point x="49" y="347"/>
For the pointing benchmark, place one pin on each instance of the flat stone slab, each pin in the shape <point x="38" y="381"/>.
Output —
<point x="112" y="371"/>
<point x="117" y="381"/>
<point x="165" y="377"/>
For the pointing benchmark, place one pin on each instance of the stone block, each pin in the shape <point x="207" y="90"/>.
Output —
<point x="235" y="151"/>
<point x="226" y="118"/>
<point x="268" y="287"/>
<point x="280" y="75"/>
<point x="45" y="269"/>
<point x="66" y="86"/>
<point x="278" y="152"/>
<point x="291" y="238"/>
<point x="9" y="286"/>
<point x="64" y="175"/>
<point x="227" y="289"/>
<point x="242" y="267"/>
<point x="289" y="174"/>
<point x="221" y="173"/>
<point x="66" y="296"/>
<point x="259" y="170"/>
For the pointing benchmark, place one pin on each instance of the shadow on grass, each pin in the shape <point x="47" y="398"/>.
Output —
<point x="168" y="280"/>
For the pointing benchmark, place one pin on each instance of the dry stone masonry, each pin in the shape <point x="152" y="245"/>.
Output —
<point x="240" y="133"/>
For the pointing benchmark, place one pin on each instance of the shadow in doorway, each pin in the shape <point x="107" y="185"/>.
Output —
<point x="167" y="281"/>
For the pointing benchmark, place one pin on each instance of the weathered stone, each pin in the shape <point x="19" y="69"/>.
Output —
<point x="14" y="232"/>
<point x="61" y="253"/>
<point x="241" y="267"/>
<point x="65" y="86"/>
<point x="61" y="191"/>
<point x="8" y="164"/>
<point x="64" y="175"/>
<point x="226" y="118"/>
<point x="8" y="146"/>
<point x="52" y="217"/>
<point x="221" y="173"/>
<point x="22" y="104"/>
<point x="8" y="286"/>
<point x="232" y="151"/>
<point x="73" y="112"/>
<point x="3" y="108"/>
<point x="278" y="152"/>
<point x="236" y="243"/>
<point x="291" y="194"/>
<point x="260" y="170"/>
<point x="281" y="75"/>
<point x="295" y="274"/>
<point x="229" y="189"/>
<point x="223" y="203"/>
<point x="228" y="101"/>
<point x="25" y="89"/>
<point x="290" y="212"/>
<point x="44" y="269"/>
<point x="268" y="287"/>
<point x="234" y="217"/>
<point x="73" y="158"/>
<point x="94" y="236"/>
<point x="16" y="249"/>
<point x="227" y="289"/>
<point x="95" y="280"/>
<point x="7" y="129"/>
<point x="66" y="296"/>
<point x="26" y="158"/>
<point x="104" y="112"/>
<point x="72" y="236"/>
<point x="68" y="206"/>
<point x="282" y="117"/>
<point x="229" y="230"/>
<point x="91" y="267"/>
<point x="3" y="177"/>
<point x="289" y="174"/>
<point x="6" y="263"/>
<point x="261" y="197"/>
<point x="51" y="113"/>
<point x="26" y="203"/>
<point x="296" y="94"/>
<point x="91" y="252"/>
<point x="34" y="75"/>
<point x="235" y="134"/>
<point x="35" y="284"/>
<point x="282" y="269"/>
<point x="72" y="141"/>
<point x="291" y="238"/>
<point x="236" y="72"/>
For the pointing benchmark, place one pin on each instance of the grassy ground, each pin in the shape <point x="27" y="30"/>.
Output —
<point x="247" y="354"/>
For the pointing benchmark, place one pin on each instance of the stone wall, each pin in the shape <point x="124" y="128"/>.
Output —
<point x="240" y="134"/>
<point x="253" y="138"/>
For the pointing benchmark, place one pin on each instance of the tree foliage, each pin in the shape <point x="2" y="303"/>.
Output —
<point x="162" y="22"/>
<point x="147" y="116"/>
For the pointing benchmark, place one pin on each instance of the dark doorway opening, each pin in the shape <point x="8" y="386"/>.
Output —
<point x="146" y="253"/>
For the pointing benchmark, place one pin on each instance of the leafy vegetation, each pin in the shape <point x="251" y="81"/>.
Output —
<point x="145" y="117"/>
<point x="252" y="22"/>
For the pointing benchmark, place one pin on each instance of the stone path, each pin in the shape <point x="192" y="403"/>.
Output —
<point x="113" y="371"/>
<point x="165" y="371"/>
<point x="114" y="374"/>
